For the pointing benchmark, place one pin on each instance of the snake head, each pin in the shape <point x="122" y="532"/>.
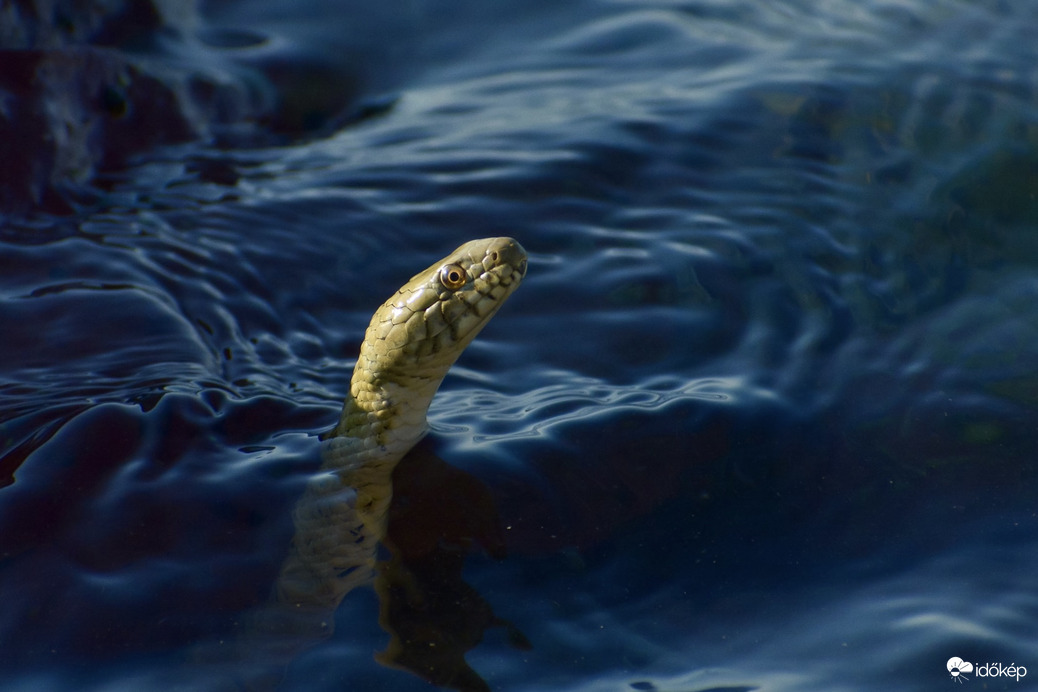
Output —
<point x="422" y="329"/>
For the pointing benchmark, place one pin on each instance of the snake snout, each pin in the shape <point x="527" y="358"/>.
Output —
<point x="505" y="251"/>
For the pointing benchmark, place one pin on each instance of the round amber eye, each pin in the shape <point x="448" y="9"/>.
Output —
<point x="453" y="276"/>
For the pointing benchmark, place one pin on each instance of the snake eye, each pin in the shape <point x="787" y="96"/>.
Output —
<point x="453" y="276"/>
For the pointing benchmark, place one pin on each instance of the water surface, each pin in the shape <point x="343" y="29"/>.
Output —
<point x="761" y="417"/>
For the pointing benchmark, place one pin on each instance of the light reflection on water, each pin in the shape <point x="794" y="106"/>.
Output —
<point x="534" y="414"/>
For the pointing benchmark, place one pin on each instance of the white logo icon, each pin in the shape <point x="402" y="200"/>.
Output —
<point x="957" y="667"/>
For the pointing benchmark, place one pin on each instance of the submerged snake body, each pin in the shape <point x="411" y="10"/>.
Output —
<point x="411" y="343"/>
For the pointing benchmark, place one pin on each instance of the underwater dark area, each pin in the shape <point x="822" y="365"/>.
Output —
<point x="763" y="414"/>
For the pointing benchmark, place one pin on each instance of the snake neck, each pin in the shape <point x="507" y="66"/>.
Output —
<point x="387" y="414"/>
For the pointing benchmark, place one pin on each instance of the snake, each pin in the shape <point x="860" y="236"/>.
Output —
<point x="412" y="341"/>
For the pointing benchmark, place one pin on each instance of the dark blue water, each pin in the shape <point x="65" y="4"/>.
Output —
<point x="762" y="416"/>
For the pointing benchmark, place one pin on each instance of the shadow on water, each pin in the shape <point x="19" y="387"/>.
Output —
<point x="438" y="515"/>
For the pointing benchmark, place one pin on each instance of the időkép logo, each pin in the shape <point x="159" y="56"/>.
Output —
<point x="960" y="670"/>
